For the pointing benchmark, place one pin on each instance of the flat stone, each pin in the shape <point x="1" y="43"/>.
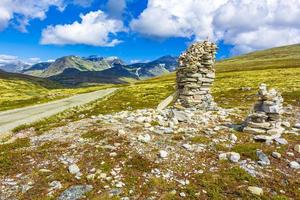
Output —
<point x="263" y="125"/>
<point x="255" y="131"/>
<point x="75" y="192"/>
<point x="276" y="155"/>
<point x="255" y="190"/>
<point x="182" y="116"/>
<point x="275" y="131"/>
<point x="266" y="137"/>
<point x="294" y="165"/>
<point x="263" y="158"/>
<point x="286" y="124"/>
<point x="281" y="141"/>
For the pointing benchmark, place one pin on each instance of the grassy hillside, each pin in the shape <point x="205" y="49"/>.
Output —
<point x="280" y="57"/>
<point x="227" y="90"/>
<point x="21" y="90"/>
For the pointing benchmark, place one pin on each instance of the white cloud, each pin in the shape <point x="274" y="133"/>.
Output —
<point x="94" y="29"/>
<point x="6" y="59"/>
<point x="25" y="11"/>
<point x="116" y="8"/>
<point x="248" y="25"/>
<point x="20" y="12"/>
<point x="10" y="59"/>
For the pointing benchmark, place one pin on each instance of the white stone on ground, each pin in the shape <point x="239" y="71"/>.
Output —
<point x="255" y="190"/>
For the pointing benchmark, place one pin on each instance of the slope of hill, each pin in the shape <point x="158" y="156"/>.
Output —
<point x="144" y="151"/>
<point x="154" y="68"/>
<point x="74" y="77"/>
<point x="37" y="69"/>
<point x="19" y="90"/>
<point x="280" y="57"/>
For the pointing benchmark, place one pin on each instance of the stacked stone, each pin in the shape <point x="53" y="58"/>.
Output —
<point x="266" y="116"/>
<point x="195" y="76"/>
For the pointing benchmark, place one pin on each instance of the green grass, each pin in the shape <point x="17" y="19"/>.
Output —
<point x="16" y="93"/>
<point x="281" y="57"/>
<point x="146" y="94"/>
<point x="9" y="154"/>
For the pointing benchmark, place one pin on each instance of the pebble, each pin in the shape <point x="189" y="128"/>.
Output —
<point x="297" y="148"/>
<point x="74" y="169"/>
<point x="182" y="194"/>
<point x="223" y="156"/>
<point x="163" y="154"/>
<point x="234" y="157"/>
<point x="276" y="155"/>
<point x="281" y="141"/>
<point x="263" y="158"/>
<point x="294" y="165"/>
<point x="297" y="125"/>
<point x="187" y="147"/>
<point x="255" y="190"/>
<point x="233" y="138"/>
<point x="144" y="138"/>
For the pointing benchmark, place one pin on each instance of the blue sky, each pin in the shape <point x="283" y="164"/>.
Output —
<point x="140" y="30"/>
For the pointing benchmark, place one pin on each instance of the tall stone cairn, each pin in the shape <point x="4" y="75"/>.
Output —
<point x="195" y="76"/>
<point x="265" y="118"/>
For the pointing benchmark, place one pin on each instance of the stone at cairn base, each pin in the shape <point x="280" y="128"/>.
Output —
<point x="195" y="76"/>
<point x="265" y="120"/>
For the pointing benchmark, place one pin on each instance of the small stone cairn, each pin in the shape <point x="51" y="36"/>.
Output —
<point x="195" y="76"/>
<point x="265" y="118"/>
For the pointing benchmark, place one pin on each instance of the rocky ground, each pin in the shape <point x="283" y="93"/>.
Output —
<point x="150" y="154"/>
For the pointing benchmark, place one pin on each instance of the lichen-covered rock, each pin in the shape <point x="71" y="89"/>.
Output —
<point x="195" y="76"/>
<point x="75" y="192"/>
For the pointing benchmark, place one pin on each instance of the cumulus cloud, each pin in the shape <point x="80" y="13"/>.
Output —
<point x="20" y="12"/>
<point x="248" y="25"/>
<point x="94" y="29"/>
<point x="25" y="10"/>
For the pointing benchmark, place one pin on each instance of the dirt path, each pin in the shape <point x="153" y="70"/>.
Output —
<point x="13" y="118"/>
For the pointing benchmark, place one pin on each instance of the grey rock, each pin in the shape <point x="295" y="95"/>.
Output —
<point x="294" y="165"/>
<point x="234" y="157"/>
<point x="281" y="141"/>
<point x="263" y="158"/>
<point x="75" y="192"/>
<point x="276" y="155"/>
<point x="182" y="116"/>
<point x="256" y="190"/>
<point x="297" y="125"/>
<point x="74" y="169"/>
<point x="255" y="131"/>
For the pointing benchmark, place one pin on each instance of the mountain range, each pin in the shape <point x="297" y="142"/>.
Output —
<point x="75" y="70"/>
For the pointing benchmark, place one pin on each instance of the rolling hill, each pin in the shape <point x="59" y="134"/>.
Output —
<point x="74" y="77"/>
<point x="19" y="90"/>
<point x="280" y="57"/>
